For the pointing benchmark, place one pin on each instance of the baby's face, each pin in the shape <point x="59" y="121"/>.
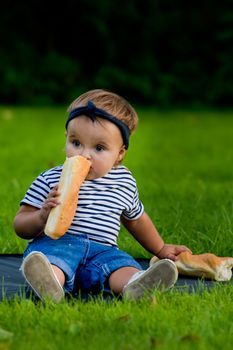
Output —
<point x="99" y="141"/>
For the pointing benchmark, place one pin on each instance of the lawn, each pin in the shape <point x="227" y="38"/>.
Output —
<point x="183" y="164"/>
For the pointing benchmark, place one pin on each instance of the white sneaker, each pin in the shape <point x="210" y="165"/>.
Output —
<point x="39" y="274"/>
<point x="162" y="275"/>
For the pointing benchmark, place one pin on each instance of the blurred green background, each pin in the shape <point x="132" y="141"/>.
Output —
<point x="153" y="52"/>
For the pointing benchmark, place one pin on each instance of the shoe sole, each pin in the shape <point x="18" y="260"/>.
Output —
<point x="161" y="276"/>
<point x="39" y="274"/>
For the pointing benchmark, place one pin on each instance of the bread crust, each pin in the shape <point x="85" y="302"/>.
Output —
<point x="74" y="172"/>
<point x="205" y="265"/>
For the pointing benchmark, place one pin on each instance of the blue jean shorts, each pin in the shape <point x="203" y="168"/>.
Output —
<point x="86" y="264"/>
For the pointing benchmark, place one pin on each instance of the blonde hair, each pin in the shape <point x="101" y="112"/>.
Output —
<point x="110" y="102"/>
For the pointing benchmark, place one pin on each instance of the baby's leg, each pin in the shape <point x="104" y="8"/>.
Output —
<point x="59" y="273"/>
<point x="134" y="284"/>
<point x="45" y="279"/>
<point x="119" y="278"/>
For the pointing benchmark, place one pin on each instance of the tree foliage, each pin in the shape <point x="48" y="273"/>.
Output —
<point x="160" y="52"/>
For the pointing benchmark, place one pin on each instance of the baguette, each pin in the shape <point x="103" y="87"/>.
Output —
<point x="74" y="172"/>
<point x="204" y="265"/>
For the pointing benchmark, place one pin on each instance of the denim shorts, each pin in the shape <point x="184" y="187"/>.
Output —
<point x="86" y="264"/>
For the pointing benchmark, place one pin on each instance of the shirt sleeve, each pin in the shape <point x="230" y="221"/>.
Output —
<point x="136" y="210"/>
<point x="37" y="192"/>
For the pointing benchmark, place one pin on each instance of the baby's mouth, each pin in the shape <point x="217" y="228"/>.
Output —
<point x="89" y="173"/>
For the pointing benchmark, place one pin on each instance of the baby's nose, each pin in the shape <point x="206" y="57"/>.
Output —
<point x="86" y="154"/>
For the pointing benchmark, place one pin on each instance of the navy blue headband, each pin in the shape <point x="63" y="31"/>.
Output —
<point x="92" y="112"/>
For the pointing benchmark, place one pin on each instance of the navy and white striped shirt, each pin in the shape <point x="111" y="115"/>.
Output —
<point x="101" y="202"/>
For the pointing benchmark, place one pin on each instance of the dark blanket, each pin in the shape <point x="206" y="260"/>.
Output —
<point x="13" y="284"/>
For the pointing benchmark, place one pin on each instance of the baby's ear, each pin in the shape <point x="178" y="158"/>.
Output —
<point x="121" y="154"/>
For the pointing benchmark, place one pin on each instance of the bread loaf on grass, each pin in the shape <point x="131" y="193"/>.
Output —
<point x="204" y="265"/>
<point x="74" y="172"/>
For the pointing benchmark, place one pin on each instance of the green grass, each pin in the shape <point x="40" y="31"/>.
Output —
<point x="183" y="163"/>
<point x="176" y="321"/>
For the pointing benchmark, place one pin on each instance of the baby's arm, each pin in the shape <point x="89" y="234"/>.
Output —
<point x="147" y="235"/>
<point x="30" y="221"/>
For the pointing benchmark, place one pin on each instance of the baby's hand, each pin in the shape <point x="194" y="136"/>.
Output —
<point x="51" y="202"/>
<point x="171" y="251"/>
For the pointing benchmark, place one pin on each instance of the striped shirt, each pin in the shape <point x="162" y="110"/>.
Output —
<point x="101" y="202"/>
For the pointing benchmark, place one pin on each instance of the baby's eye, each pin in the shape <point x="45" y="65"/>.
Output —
<point x="76" y="143"/>
<point x="99" y="148"/>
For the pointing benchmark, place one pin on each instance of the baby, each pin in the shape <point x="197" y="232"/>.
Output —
<point x="98" y="127"/>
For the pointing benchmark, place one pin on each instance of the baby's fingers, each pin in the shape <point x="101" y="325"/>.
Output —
<point x="183" y="248"/>
<point x="53" y="202"/>
<point x="172" y="257"/>
<point x="54" y="193"/>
